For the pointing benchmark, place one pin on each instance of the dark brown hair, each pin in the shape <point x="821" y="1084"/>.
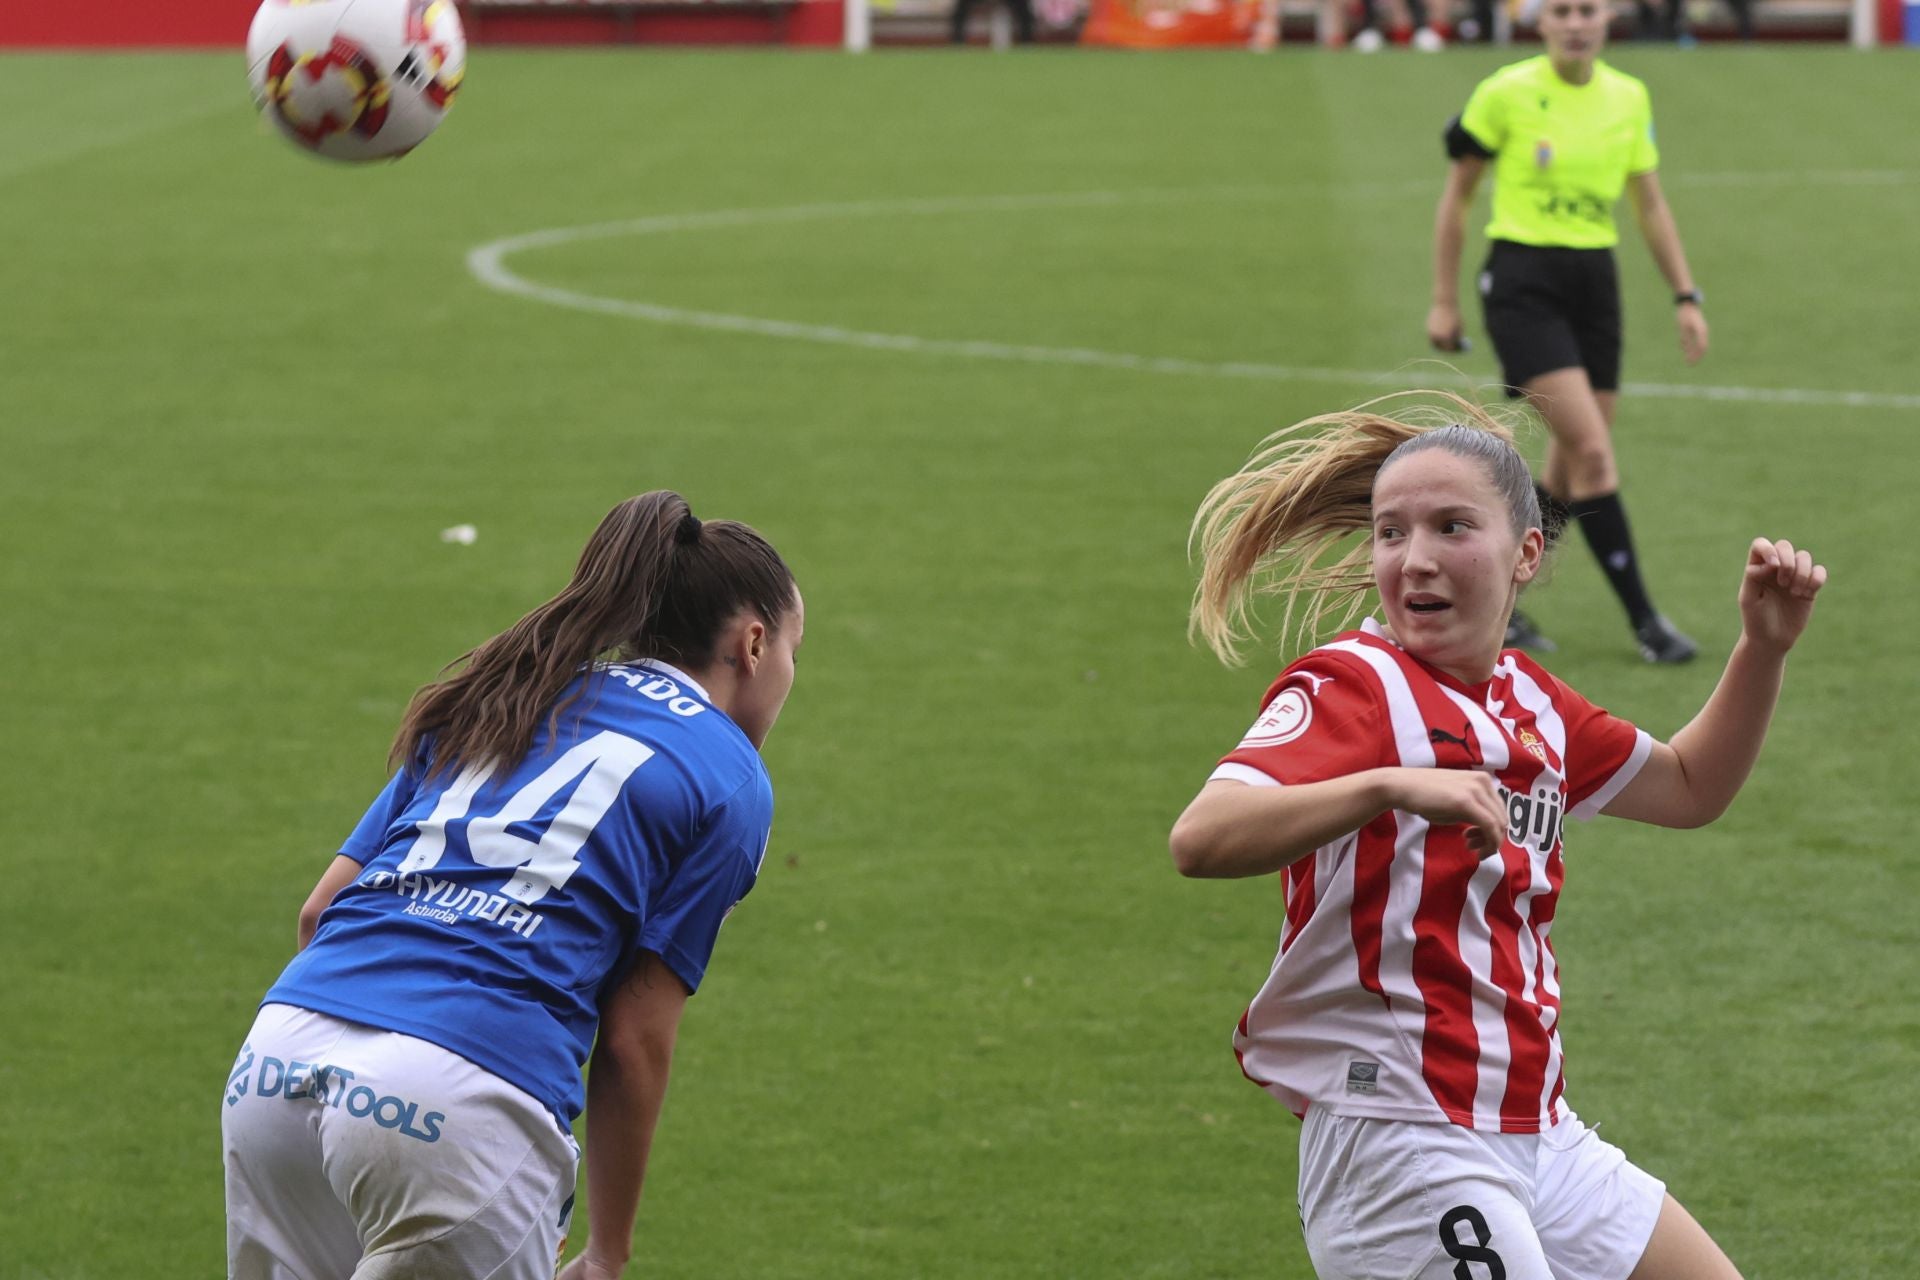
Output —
<point x="653" y="582"/>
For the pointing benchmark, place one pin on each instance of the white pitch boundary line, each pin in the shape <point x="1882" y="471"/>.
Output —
<point x="487" y="264"/>
<point x="14" y="166"/>
<point x="1800" y="177"/>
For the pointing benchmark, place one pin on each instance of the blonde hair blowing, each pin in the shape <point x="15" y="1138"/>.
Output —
<point x="1276" y="527"/>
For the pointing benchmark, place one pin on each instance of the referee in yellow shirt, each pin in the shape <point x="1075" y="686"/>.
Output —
<point x="1565" y="133"/>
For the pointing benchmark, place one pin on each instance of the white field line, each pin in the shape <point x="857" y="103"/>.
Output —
<point x="105" y="139"/>
<point x="487" y="264"/>
<point x="1798" y="177"/>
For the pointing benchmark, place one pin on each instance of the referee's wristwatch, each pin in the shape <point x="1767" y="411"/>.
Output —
<point x="1685" y="296"/>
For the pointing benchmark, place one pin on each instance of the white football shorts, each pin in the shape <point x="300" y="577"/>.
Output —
<point x="354" y="1152"/>
<point x="1401" y="1200"/>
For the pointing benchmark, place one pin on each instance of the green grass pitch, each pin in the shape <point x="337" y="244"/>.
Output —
<point x="970" y="1024"/>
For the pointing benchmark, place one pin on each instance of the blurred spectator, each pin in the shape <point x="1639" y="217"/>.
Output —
<point x="1670" y="21"/>
<point x="1404" y="14"/>
<point x="1022" y="11"/>
<point x="1479" y="28"/>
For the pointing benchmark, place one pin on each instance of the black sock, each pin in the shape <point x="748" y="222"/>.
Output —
<point x="1604" y="522"/>
<point x="1553" y="514"/>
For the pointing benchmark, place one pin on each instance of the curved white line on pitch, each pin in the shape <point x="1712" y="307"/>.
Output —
<point x="487" y="264"/>
<point x="12" y="166"/>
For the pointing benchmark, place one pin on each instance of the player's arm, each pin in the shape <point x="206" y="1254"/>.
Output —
<point x="338" y="875"/>
<point x="1662" y="234"/>
<point x="1691" y="780"/>
<point x="1233" y="829"/>
<point x="361" y="846"/>
<point x="640" y="1016"/>
<point x="1444" y="328"/>
<point x="626" y="1083"/>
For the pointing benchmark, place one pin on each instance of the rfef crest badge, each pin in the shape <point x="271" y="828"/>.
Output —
<point x="1284" y="720"/>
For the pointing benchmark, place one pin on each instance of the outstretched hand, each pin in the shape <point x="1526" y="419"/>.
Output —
<point x="1776" y="595"/>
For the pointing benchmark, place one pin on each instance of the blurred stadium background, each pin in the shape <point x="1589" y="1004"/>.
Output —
<point x="858" y="23"/>
<point x="970" y="1023"/>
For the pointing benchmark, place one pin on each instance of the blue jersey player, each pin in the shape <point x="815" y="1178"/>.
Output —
<point x="574" y="813"/>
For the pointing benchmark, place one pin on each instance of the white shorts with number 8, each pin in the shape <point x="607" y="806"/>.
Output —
<point x="1399" y="1200"/>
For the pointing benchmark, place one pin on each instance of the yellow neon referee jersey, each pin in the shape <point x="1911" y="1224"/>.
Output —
<point x="1563" y="152"/>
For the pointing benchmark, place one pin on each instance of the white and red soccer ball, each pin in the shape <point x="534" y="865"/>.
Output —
<point x="356" y="79"/>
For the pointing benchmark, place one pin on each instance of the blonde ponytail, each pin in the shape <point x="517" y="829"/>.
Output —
<point x="1277" y="527"/>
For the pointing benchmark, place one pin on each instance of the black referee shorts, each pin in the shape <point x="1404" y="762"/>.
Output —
<point x="1549" y="308"/>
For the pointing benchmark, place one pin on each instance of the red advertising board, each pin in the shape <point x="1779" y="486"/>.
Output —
<point x="133" y="24"/>
<point x="125" y="23"/>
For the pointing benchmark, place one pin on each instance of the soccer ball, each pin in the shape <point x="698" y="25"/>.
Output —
<point x="356" y="79"/>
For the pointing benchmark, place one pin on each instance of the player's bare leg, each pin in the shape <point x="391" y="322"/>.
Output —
<point x="1578" y="441"/>
<point x="1581" y="471"/>
<point x="1681" y="1249"/>
<point x="1580" y="461"/>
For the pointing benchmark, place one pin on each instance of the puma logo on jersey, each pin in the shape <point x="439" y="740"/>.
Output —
<point x="1317" y="681"/>
<point x="1440" y="737"/>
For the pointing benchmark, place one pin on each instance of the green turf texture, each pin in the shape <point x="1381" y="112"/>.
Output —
<point x="970" y="1023"/>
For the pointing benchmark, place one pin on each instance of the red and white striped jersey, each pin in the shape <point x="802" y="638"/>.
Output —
<point x="1415" y="980"/>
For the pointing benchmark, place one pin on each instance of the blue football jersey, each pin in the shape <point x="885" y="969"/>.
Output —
<point x="495" y="905"/>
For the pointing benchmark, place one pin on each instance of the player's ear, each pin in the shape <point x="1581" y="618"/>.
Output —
<point x="744" y="643"/>
<point x="1533" y="549"/>
<point x="756" y="641"/>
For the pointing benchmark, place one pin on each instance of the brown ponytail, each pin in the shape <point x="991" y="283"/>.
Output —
<point x="654" y="581"/>
<point x="1276" y="527"/>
